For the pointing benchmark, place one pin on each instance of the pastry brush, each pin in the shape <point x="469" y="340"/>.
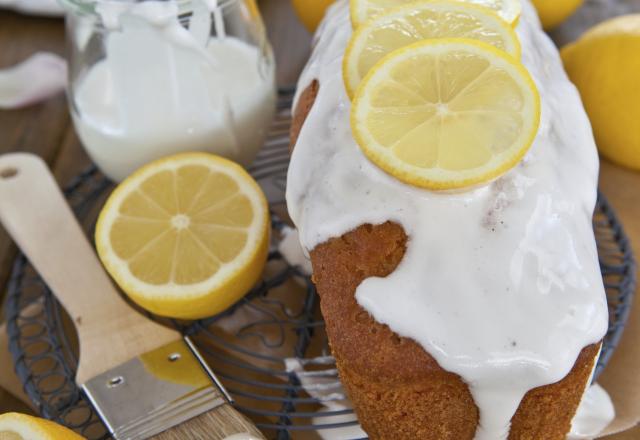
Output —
<point x="144" y="380"/>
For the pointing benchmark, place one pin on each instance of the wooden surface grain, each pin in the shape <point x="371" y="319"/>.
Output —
<point x="46" y="128"/>
<point x="39" y="128"/>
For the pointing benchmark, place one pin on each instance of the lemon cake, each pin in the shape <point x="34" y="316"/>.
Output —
<point x="453" y="315"/>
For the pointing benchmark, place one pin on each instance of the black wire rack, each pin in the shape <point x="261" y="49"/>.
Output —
<point x="270" y="349"/>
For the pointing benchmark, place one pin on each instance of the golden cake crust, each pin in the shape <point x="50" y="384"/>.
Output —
<point x="398" y="390"/>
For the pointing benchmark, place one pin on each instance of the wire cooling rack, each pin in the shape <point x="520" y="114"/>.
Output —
<point x="270" y="350"/>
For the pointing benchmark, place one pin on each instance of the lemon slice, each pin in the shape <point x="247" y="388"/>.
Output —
<point x="186" y="236"/>
<point x="446" y="114"/>
<point x="415" y="22"/>
<point x="362" y="10"/>
<point x="14" y="426"/>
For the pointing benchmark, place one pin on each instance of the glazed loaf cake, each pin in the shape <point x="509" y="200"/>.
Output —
<point x="399" y="390"/>
<point x="533" y="225"/>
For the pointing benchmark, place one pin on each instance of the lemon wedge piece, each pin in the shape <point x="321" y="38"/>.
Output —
<point x="415" y="22"/>
<point x="446" y="114"/>
<point x="14" y="426"/>
<point x="362" y="10"/>
<point x="186" y="236"/>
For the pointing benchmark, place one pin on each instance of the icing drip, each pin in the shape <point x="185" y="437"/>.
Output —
<point x="499" y="283"/>
<point x="594" y="414"/>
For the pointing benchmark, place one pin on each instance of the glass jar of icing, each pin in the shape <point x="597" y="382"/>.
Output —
<point x="153" y="78"/>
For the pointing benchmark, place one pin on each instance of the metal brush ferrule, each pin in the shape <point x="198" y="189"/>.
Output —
<point x="155" y="391"/>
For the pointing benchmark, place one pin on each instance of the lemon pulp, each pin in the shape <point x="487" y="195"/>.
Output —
<point x="185" y="236"/>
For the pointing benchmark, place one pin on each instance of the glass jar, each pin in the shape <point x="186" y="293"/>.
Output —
<point x="153" y="78"/>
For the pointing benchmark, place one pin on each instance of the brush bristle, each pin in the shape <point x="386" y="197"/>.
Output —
<point x="219" y="423"/>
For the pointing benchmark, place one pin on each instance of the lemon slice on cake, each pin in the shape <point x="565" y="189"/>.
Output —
<point x="14" y="426"/>
<point x="408" y="24"/>
<point x="186" y="236"/>
<point x="362" y="10"/>
<point x="446" y="114"/>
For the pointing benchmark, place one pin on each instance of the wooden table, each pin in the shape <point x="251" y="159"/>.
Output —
<point x="46" y="128"/>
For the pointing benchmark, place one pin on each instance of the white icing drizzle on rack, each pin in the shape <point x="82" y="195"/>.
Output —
<point x="594" y="414"/>
<point x="500" y="283"/>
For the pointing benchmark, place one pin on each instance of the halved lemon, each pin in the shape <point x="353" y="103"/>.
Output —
<point x="446" y="114"/>
<point x="414" y="22"/>
<point x="186" y="236"/>
<point x="362" y="10"/>
<point x="14" y="426"/>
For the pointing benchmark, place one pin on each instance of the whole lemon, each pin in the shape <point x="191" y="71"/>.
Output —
<point x="23" y="427"/>
<point x="605" y="66"/>
<point x="311" y="11"/>
<point x="554" y="12"/>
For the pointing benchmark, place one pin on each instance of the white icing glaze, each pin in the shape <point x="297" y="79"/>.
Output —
<point x="594" y="414"/>
<point x="500" y="283"/>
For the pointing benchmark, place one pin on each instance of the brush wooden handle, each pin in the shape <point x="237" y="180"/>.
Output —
<point x="36" y="215"/>
<point x="218" y="424"/>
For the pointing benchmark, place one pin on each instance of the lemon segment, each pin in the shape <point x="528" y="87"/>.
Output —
<point x="186" y="236"/>
<point x="414" y="22"/>
<point x="446" y="114"/>
<point x="14" y="426"/>
<point x="362" y="10"/>
<point x="605" y="67"/>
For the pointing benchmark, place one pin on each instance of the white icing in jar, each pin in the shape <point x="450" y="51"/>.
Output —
<point x="153" y="78"/>
<point x="500" y="283"/>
